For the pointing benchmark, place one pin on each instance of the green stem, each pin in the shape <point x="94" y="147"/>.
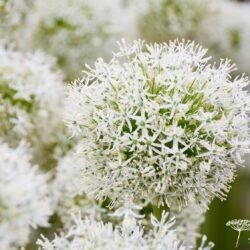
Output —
<point x="238" y="239"/>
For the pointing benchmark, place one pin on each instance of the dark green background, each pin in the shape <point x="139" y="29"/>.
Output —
<point x="237" y="206"/>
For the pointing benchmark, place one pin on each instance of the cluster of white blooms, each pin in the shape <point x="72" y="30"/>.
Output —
<point x="31" y="97"/>
<point x="220" y="25"/>
<point x="73" y="31"/>
<point x="24" y="201"/>
<point x="156" y="131"/>
<point x="91" y="234"/>
<point x="160" y="124"/>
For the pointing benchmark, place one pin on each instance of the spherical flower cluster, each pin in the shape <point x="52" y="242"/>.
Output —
<point x="91" y="234"/>
<point x="220" y="25"/>
<point x="31" y="99"/>
<point x="73" y="31"/>
<point x="160" y="124"/>
<point x="24" y="201"/>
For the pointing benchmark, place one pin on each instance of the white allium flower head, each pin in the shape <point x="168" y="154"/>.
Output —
<point x="76" y="31"/>
<point x="31" y="97"/>
<point x="24" y="201"/>
<point x="91" y="234"/>
<point x="159" y="124"/>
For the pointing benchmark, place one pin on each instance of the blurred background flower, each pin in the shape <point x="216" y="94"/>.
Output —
<point x="24" y="197"/>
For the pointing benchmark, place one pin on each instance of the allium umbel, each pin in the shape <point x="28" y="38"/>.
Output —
<point x="160" y="124"/>
<point x="31" y="93"/>
<point x="24" y="201"/>
<point x="91" y="234"/>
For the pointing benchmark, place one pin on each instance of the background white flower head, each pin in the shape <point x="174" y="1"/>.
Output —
<point x="91" y="234"/>
<point x="24" y="197"/>
<point x="31" y="104"/>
